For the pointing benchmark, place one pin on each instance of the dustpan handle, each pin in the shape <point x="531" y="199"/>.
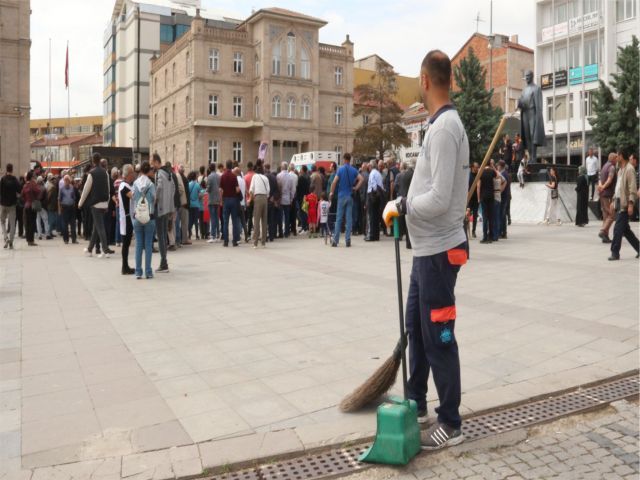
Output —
<point x="396" y="238"/>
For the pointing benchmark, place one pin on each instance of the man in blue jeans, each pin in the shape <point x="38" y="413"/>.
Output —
<point x="348" y="181"/>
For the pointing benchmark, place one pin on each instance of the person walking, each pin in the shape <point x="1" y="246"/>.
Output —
<point x="435" y="208"/>
<point x="95" y="195"/>
<point x="9" y="192"/>
<point x="195" y="204"/>
<point x="582" y="197"/>
<point x="125" y="209"/>
<point x="165" y="193"/>
<point x="229" y="191"/>
<point x="273" y="202"/>
<point x="593" y="168"/>
<point x="31" y="193"/>
<point x="606" y="189"/>
<point x="624" y="202"/>
<point x="551" y="216"/>
<point x="214" y="201"/>
<point x="347" y="180"/>
<point x="67" y="209"/>
<point x="375" y="194"/>
<point x="259" y="193"/>
<point x="144" y="189"/>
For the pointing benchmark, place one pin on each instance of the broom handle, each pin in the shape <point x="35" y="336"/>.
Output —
<point x="396" y="237"/>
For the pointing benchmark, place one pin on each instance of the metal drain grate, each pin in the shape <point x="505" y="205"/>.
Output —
<point x="549" y="408"/>
<point x="336" y="463"/>
<point x="322" y="465"/>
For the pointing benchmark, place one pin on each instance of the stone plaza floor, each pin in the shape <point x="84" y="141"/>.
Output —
<point x="239" y="354"/>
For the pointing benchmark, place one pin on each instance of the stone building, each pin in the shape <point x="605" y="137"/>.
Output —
<point x="505" y="64"/>
<point x="15" y="45"/>
<point x="223" y="89"/>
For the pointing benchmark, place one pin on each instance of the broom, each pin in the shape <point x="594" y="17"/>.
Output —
<point x="385" y="376"/>
<point x="377" y="385"/>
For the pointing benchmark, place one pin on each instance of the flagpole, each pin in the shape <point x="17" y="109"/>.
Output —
<point x="68" y="94"/>
<point x="49" y="129"/>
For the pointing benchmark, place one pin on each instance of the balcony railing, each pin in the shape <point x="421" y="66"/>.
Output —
<point x="332" y="50"/>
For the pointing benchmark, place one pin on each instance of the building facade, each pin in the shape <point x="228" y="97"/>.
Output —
<point x="15" y="46"/>
<point x="40" y="127"/>
<point x="505" y="64"/>
<point x="578" y="40"/>
<point x="62" y="152"/>
<point x="221" y="91"/>
<point x="138" y="30"/>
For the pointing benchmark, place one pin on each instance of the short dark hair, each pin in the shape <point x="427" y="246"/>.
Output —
<point x="258" y="167"/>
<point x="156" y="158"/>
<point x="145" y="167"/>
<point x="347" y="157"/>
<point x="438" y="66"/>
<point x="304" y="169"/>
<point x="250" y="166"/>
<point x="229" y="164"/>
<point x="623" y="152"/>
<point x="96" y="158"/>
<point x="9" y="167"/>
<point x="29" y="175"/>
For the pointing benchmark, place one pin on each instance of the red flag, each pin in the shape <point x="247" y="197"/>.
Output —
<point x="66" y="70"/>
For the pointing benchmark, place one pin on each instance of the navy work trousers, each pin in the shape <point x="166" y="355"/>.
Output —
<point x="430" y="319"/>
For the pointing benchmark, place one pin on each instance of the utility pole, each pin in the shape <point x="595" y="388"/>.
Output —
<point x="490" y="44"/>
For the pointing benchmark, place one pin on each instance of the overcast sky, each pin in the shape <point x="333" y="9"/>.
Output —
<point x="400" y="31"/>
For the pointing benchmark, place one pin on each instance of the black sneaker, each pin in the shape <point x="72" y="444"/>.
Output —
<point x="108" y="251"/>
<point x="348" y="244"/>
<point x="163" y="269"/>
<point x="613" y="258"/>
<point x="440" y="436"/>
<point x="334" y="244"/>
<point x="605" y="238"/>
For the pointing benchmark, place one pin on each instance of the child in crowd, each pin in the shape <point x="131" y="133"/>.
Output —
<point x="312" y="200"/>
<point x="323" y="214"/>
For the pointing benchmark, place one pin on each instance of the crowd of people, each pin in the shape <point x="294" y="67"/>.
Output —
<point x="164" y="208"/>
<point x="227" y="204"/>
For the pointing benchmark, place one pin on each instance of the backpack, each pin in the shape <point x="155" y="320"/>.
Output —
<point x="143" y="214"/>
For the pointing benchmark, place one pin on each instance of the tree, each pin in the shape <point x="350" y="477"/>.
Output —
<point x="375" y="101"/>
<point x="615" y="123"/>
<point x="473" y="101"/>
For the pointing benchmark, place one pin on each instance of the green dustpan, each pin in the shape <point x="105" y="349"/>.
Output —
<point x="398" y="433"/>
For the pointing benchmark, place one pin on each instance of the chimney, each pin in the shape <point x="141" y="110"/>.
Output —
<point x="514" y="39"/>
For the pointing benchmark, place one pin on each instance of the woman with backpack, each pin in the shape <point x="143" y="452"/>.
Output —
<point x="144" y="225"/>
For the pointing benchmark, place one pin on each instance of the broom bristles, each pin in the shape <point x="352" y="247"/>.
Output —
<point x="376" y="386"/>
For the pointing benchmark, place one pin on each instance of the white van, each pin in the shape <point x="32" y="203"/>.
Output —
<point x="319" y="158"/>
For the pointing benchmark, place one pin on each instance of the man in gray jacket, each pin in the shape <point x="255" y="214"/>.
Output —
<point x="213" y="189"/>
<point x="165" y="191"/>
<point x="434" y="207"/>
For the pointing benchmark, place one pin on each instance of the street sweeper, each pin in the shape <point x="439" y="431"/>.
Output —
<point x="434" y="211"/>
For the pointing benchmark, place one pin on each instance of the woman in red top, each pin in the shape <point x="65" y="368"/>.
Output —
<point x="312" y="200"/>
<point x="30" y="194"/>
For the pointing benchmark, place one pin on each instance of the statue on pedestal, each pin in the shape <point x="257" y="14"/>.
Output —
<point x="531" y="122"/>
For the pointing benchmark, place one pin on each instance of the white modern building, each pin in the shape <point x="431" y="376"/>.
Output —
<point x="138" y="30"/>
<point x="579" y="40"/>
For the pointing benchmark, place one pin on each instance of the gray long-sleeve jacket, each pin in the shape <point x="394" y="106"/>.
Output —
<point x="213" y="188"/>
<point x="165" y="191"/>
<point x="437" y="197"/>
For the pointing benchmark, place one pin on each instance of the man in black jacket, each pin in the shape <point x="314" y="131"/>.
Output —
<point x="302" y="190"/>
<point x="9" y="190"/>
<point x="273" y="201"/>
<point x="96" y="196"/>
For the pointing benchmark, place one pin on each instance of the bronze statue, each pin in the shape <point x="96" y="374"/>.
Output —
<point x="531" y="122"/>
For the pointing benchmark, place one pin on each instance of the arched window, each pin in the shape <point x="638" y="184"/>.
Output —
<point x="187" y="107"/>
<point x="275" y="106"/>
<point x="166" y="78"/>
<point x="188" y="64"/>
<point x="155" y="122"/>
<point x="306" y="109"/>
<point x="291" y="107"/>
<point x="257" y="66"/>
<point x="256" y="110"/>
<point x="291" y="54"/>
<point x="276" y="59"/>
<point x="173" y="114"/>
<point x="155" y="86"/>
<point x="187" y="152"/>
<point x="305" y="64"/>
<point x="173" y="153"/>
<point x="173" y="74"/>
<point x="164" y="123"/>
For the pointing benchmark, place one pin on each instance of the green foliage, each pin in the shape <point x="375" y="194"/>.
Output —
<point x="473" y="102"/>
<point x="376" y="100"/>
<point x="615" y="123"/>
